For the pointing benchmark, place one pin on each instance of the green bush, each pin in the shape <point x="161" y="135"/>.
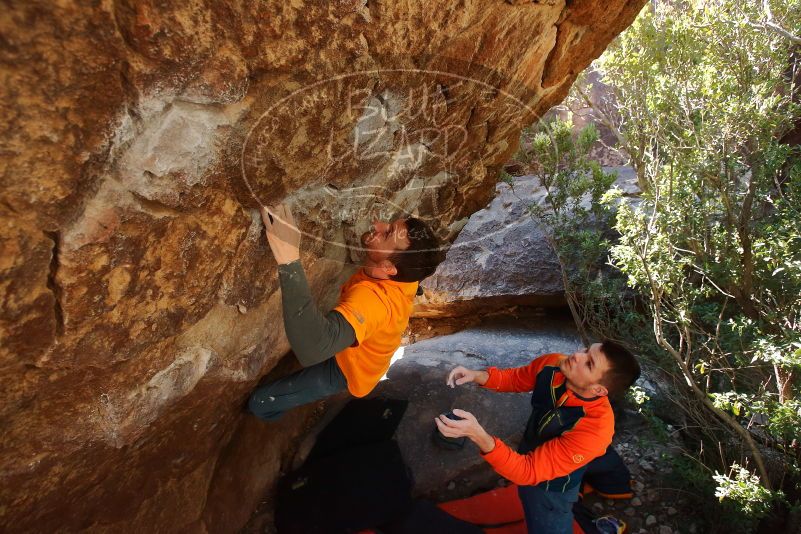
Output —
<point x="709" y="257"/>
<point x="704" y="95"/>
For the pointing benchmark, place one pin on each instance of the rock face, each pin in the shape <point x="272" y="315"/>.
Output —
<point x="138" y="298"/>
<point x="505" y="250"/>
<point x="501" y="255"/>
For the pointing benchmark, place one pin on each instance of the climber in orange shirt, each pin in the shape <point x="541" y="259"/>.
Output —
<point x="351" y="346"/>
<point x="571" y="424"/>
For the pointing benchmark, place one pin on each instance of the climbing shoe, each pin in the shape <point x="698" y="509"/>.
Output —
<point x="610" y="525"/>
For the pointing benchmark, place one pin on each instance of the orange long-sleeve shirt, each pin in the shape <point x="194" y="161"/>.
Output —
<point x="560" y="456"/>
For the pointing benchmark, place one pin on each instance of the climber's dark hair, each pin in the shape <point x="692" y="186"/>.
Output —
<point x="624" y="369"/>
<point x="423" y="255"/>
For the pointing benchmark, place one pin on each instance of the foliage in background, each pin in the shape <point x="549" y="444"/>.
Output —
<point x="743" y="487"/>
<point x="571" y="216"/>
<point x="703" y="94"/>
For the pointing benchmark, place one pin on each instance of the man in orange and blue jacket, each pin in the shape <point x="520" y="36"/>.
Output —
<point x="571" y="424"/>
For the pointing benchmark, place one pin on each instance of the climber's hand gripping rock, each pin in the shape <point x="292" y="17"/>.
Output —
<point x="283" y="234"/>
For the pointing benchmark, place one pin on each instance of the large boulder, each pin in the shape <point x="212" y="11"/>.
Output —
<point x="501" y="256"/>
<point x="139" y="300"/>
<point x="501" y="251"/>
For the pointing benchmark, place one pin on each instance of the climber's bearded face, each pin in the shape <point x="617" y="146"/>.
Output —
<point x="385" y="238"/>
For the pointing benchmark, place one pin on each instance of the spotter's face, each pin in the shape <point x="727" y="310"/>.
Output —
<point x="584" y="370"/>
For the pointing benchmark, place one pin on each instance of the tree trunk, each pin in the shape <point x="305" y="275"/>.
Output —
<point x="785" y="380"/>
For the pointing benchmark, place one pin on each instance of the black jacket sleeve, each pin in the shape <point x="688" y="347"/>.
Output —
<point x="314" y="337"/>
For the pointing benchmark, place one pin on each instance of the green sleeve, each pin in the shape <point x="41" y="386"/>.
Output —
<point x="314" y="337"/>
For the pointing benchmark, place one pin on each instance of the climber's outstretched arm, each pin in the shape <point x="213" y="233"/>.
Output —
<point x="313" y="336"/>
